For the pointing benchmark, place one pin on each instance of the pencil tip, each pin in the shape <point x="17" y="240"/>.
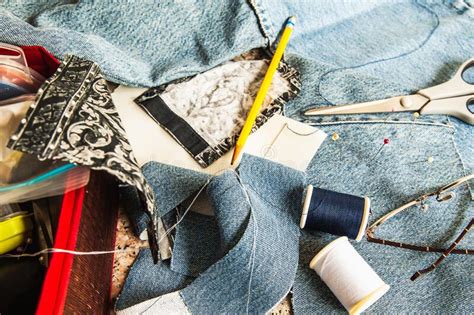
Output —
<point x="236" y="155"/>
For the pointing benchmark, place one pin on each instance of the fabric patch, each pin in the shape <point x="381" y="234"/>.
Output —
<point x="172" y="185"/>
<point x="205" y="113"/>
<point x="258" y="263"/>
<point x="147" y="280"/>
<point x="74" y="120"/>
<point x="196" y="244"/>
<point x="171" y="303"/>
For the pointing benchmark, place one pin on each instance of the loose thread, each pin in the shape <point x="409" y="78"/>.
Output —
<point x="167" y="232"/>
<point x="254" y="241"/>
<point x="436" y="21"/>
<point x="72" y="252"/>
<point x="286" y="126"/>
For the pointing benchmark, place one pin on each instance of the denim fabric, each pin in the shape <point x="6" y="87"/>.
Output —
<point x="358" y="51"/>
<point x="259" y="270"/>
<point x="143" y="43"/>
<point x="195" y="245"/>
<point x="256" y="273"/>
<point x="232" y="224"/>
<point x="130" y="201"/>
<point x="463" y="136"/>
<point x="172" y="185"/>
<point x="147" y="280"/>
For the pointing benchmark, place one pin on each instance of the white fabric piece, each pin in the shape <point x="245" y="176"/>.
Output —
<point x="171" y="303"/>
<point x="286" y="141"/>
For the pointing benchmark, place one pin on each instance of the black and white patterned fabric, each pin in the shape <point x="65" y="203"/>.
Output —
<point x="74" y="120"/>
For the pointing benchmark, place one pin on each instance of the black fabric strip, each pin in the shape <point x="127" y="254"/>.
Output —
<point x="176" y="125"/>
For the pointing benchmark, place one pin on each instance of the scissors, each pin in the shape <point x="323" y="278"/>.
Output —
<point x="454" y="98"/>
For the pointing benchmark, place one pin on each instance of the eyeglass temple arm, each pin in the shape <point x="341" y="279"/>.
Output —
<point x="444" y="255"/>
<point x="455" y="184"/>
<point x="391" y="214"/>
<point x="438" y="193"/>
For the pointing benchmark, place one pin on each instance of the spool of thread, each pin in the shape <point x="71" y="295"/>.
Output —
<point x="347" y="274"/>
<point x="335" y="213"/>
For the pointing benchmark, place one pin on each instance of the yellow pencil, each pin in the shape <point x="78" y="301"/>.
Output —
<point x="262" y="92"/>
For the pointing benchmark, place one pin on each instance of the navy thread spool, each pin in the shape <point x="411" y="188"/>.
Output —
<point x="335" y="213"/>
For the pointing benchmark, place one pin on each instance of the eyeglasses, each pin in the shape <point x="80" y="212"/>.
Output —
<point x="442" y="195"/>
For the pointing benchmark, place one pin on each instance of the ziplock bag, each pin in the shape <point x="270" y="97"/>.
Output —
<point x="17" y="80"/>
<point x="54" y="181"/>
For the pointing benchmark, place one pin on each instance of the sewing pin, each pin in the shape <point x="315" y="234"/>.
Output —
<point x="429" y="160"/>
<point x="385" y="142"/>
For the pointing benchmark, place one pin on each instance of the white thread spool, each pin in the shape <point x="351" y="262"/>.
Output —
<point x="347" y="274"/>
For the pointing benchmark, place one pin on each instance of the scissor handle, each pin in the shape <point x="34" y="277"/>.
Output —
<point x="456" y="86"/>
<point x="456" y="106"/>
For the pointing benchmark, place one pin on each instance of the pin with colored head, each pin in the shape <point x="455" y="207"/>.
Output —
<point x="386" y="141"/>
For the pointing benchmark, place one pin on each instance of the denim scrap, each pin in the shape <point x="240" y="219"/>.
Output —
<point x="129" y="199"/>
<point x="256" y="273"/>
<point x="172" y="185"/>
<point x="232" y="225"/>
<point x="156" y="42"/>
<point x="267" y="258"/>
<point x="195" y="245"/>
<point x="146" y="280"/>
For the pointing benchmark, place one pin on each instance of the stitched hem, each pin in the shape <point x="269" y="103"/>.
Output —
<point x="462" y="162"/>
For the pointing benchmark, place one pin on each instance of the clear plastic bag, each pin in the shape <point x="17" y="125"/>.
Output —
<point x="22" y="176"/>
<point x="54" y="181"/>
<point x="17" y="80"/>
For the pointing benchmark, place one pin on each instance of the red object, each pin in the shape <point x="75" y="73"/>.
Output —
<point x="386" y="141"/>
<point x="38" y="58"/>
<point x="53" y="294"/>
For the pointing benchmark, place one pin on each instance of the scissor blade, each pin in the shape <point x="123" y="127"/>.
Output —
<point x="393" y="104"/>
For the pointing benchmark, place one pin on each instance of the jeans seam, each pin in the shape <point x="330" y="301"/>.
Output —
<point x="436" y="20"/>
<point x="463" y="165"/>
<point x="264" y="23"/>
